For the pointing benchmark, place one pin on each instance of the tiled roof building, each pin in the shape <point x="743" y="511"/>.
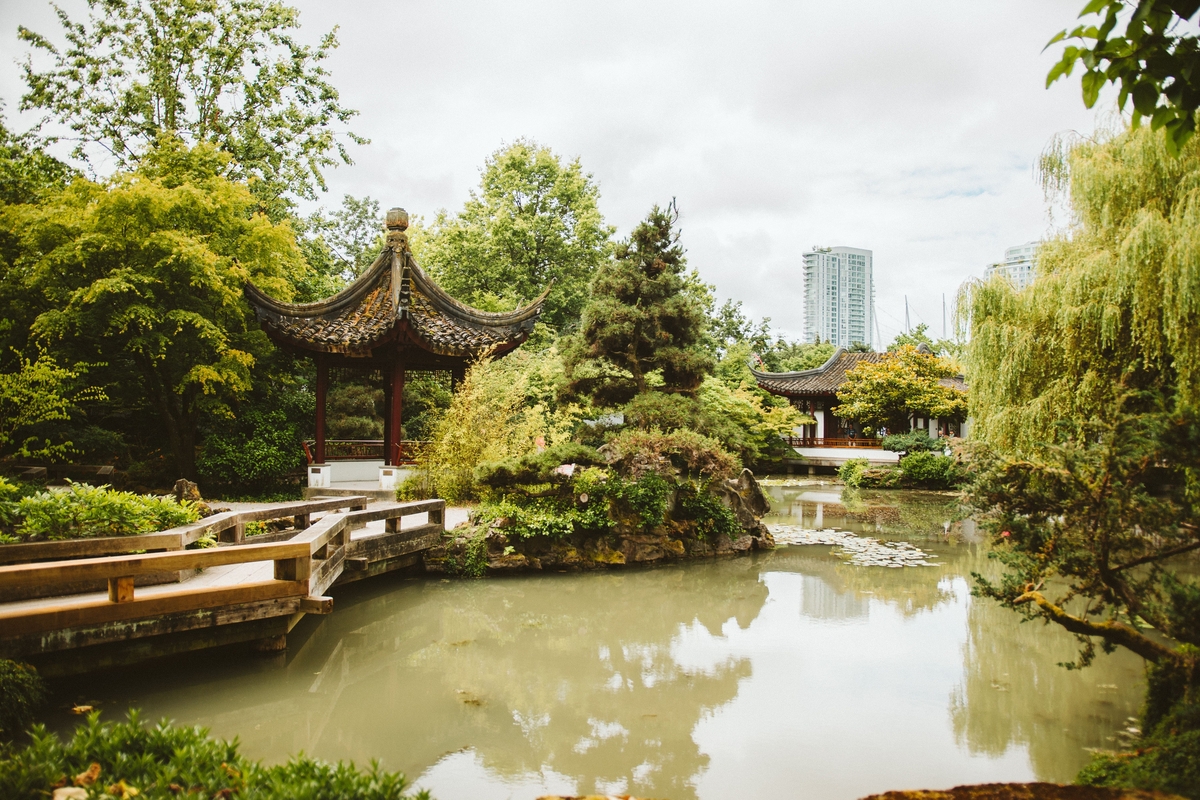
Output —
<point x="393" y="318"/>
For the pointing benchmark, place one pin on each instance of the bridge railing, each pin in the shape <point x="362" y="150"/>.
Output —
<point x="303" y="569"/>
<point x="363" y="450"/>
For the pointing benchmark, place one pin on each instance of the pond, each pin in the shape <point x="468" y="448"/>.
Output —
<point x="794" y="673"/>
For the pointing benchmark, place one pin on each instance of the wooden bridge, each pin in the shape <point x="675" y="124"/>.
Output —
<point x="102" y="602"/>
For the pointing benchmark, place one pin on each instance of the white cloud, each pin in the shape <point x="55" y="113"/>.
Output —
<point x="907" y="128"/>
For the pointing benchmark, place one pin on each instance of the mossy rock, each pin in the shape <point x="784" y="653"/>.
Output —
<point x="1025" y="791"/>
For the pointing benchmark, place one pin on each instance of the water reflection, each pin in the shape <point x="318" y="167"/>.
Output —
<point x="785" y="674"/>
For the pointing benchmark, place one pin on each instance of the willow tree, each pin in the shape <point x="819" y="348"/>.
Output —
<point x="1085" y="392"/>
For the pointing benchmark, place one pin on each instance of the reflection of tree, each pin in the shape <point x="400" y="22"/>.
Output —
<point x="563" y="672"/>
<point x="1014" y="693"/>
<point x="910" y="590"/>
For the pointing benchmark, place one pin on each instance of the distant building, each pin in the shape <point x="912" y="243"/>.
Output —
<point x="839" y="296"/>
<point x="1019" y="265"/>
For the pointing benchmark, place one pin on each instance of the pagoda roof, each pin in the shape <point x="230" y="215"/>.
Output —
<point x="394" y="302"/>
<point x="820" y="381"/>
<point x="825" y="380"/>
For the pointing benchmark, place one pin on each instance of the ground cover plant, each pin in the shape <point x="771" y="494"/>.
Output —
<point x="79" y="511"/>
<point x="130" y="759"/>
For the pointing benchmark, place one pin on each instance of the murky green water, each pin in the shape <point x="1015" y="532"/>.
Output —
<point x="788" y="674"/>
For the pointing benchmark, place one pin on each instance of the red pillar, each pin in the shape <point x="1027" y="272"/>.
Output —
<point x="387" y="413"/>
<point x="322" y="390"/>
<point x="394" y="412"/>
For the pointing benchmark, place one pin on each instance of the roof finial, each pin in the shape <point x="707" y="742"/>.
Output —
<point x="397" y="223"/>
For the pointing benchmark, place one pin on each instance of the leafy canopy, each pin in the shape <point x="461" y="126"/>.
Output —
<point x="225" y="72"/>
<point x="1085" y="390"/>
<point x="904" y="382"/>
<point x="1153" y="60"/>
<point x="144" y="273"/>
<point x="1116" y="306"/>
<point x="534" y="220"/>
<point x="642" y="328"/>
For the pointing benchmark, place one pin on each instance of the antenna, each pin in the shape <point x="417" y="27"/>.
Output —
<point x="943" y="315"/>
<point x="907" y="327"/>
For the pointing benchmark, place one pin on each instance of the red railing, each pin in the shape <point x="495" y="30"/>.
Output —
<point x="363" y="450"/>
<point x="812" y="441"/>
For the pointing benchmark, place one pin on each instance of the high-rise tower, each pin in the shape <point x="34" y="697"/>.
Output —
<point x="839" y="296"/>
<point x="1019" y="265"/>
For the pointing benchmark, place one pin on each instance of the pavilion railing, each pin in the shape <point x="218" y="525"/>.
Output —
<point x="363" y="450"/>
<point x="813" y="441"/>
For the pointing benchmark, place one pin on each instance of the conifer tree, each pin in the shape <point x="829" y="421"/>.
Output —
<point x="642" y="329"/>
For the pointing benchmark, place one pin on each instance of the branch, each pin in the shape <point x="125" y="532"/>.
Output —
<point x="1115" y="632"/>
<point x="1174" y="551"/>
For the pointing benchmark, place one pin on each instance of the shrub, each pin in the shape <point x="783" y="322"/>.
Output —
<point x="535" y="468"/>
<point x="80" y="511"/>
<point x="694" y="501"/>
<point x="633" y="453"/>
<point x="851" y="472"/>
<point x="164" y="761"/>
<point x="912" y="442"/>
<point x="259" y="451"/>
<point x="22" y="692"/>
<point x="931" y="471"/>
<point x="1167" y="759"/>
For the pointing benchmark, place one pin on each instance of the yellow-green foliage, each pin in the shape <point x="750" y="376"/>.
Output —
<point x="905" y="381"/>
<point x="1117" y="297"/>
<point x="500" y="411"/>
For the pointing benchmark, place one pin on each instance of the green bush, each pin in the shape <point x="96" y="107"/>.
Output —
<point x="912" y="442"/>
<point x="258" y="451"/>
<point x="1167" y="760"/>
<point x="80" y="511"/>
<point x="851" y="472"/>
<point x="915" y="471"/>
<point x="694" y="501"/>
<point x="22" y="693"/>
<point x="931" y="471"/>
<point x="164" y="762"/>
<point x="632" y="453"/>
<point x="536" y="468"/>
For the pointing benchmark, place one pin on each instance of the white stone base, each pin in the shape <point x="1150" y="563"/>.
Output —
<point x="319" y="476"/>
<point x="389" y="477"/>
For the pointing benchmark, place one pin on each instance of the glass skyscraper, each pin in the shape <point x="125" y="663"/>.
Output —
<point x="839" y="296"/>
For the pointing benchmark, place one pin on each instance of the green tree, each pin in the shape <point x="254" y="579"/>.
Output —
<point x="225" y="72"/>
<point x="915" y="338"/>
<point x="1085" y="390"/>
<point x="905" y="382"/>
<point x="34" y="392"/>
<point x="144" y="274"/>
<point x="339" y="246"/>
<point x="642" y="329"/>
<point x="1153" y="60"/>
<point x="1088" y="527"/>
<point x="533" y="221"/>
<point x="26" y="170"/>
<point x="729" y="326"/>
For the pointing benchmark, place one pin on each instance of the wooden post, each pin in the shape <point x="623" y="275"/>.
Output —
<point x="387" y="414"/>
<point x="120" y="590"/>
<point x="322" y="390"/>
<point x="395" y="413"/>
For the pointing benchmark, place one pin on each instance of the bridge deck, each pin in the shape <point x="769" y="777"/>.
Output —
<point x="249" y="589"/>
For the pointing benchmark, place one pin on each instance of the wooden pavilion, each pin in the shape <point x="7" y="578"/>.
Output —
<point x="814" y="392"/>
<point x="391" y="319"/>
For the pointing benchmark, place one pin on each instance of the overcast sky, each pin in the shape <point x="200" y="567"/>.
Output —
<point x="908" y="127"/>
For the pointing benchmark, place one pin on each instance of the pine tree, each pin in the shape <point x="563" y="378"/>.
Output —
<point x="642" y="328"/>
